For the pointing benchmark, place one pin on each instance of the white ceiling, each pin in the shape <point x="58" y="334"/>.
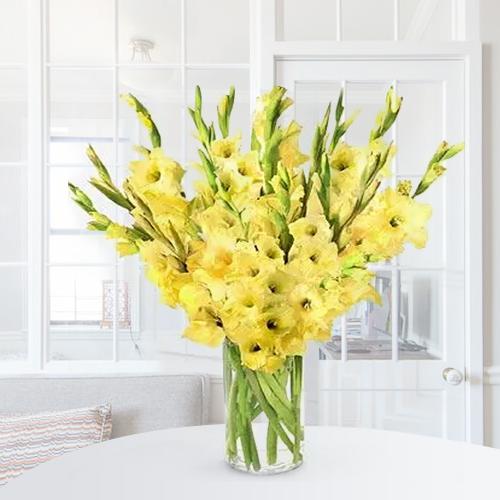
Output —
<point x="82" y="32"/>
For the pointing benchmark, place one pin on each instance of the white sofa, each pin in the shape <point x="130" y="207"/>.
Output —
<point x="140" y="403"/>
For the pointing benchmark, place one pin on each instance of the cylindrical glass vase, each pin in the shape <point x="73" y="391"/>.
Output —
<point x="264" y="431"/>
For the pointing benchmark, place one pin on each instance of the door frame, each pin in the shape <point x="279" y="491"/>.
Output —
<point x="266" y="51"/>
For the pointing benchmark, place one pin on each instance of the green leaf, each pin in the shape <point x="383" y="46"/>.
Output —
<point x="81" y="199"/>
<point x="145" y="118"/>
<point x="368" y="196"/>
<point x="204" y="131"/>
<point x="431" y="175"/>
<point x="453" y="150"/>
<point x="197" y="98"/>
<point x="339" y="109"/>
<point x="340" y="130"/>
<point x="209" y="170"/>
<point x="388" y="115"/>
<point x="326" y="119"/>
<point x="99" y="165"/>
<point x="96" y="226"/>
<point x="212" y="135"/>
<point x="179" y="245"/>
<point x="224" y="110"/>
<point x="316" y="143"/>
<point x="271" y="155"/>
<point x="286" y="239"/>
<point x="113" y="195"/>
<point x="434" y="168"/>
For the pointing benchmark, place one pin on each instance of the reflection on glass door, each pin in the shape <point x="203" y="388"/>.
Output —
<point x="368" y="326"/>
<point x="383" y="364"/>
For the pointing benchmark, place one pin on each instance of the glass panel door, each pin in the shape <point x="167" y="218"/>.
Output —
<point x="383" y="364"/>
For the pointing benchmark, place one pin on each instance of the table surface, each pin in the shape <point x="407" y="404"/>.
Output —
<point x="340" y="463"/>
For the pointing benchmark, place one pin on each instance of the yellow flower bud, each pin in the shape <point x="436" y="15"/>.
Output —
<point x="404" y="187"/>
<point x="146" y="121"/>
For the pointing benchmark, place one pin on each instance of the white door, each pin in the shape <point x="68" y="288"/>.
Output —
<point x="399" y="366"/>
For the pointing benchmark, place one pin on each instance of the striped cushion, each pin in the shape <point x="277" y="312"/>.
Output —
<point x="29" y="440"/>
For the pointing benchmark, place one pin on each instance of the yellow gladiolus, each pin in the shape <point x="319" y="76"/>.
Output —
<point x="269" y="247"/>
<point x="227" y="147"/>
<point x="205" y="328"/>
<point x="290" y="154"/>
<point x="347" y="158"/>
<point x="311" y="228"/>
<point x="247" y="263"/>
<point x="277" y="320"/>
<point x="314" y="258"/>
<point x="258" y="353"/>
<point x="291" y="344"/>
<point x="193" y="297"/>
<point x="216" y="219"/>
<point x="156" y="174"/>
<point x="273" y="246"/>
<point x="394" y="219"/>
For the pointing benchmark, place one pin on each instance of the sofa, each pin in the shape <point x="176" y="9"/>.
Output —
<point x="140" y="403"/>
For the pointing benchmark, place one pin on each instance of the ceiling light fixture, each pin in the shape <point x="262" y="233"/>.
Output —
<point x="141" y="50"/>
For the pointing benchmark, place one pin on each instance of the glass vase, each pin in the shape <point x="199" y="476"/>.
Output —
<point x="264" y="431"/>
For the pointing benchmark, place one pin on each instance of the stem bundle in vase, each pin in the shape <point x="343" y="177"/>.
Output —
<point x="271" y="249"/>
<point x="273" y="401"/>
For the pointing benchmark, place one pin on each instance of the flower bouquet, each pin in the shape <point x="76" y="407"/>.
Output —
<point x="272" y="248"/>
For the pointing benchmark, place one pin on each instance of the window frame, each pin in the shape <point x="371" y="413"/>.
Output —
<point x="38" y="67"/>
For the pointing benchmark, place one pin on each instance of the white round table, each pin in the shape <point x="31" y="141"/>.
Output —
<point x="340" y="463"/>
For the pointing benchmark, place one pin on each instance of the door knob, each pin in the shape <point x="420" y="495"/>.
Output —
<point x="452" y="376"/>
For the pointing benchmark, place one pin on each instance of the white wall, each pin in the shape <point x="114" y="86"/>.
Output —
<point x="490" y="36"/>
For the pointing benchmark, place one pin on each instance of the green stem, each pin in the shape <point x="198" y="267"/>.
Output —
<point x="255" y="412"/>
<point x="296" y="390"/>
<point x="284" y="413"/>
<point x="278" y="384"/>
<point x="252" y="392"/>
<point x="243" y="420"/>
<point x="272" y="445"/>
<point x="277" y="387"/>
<point x="227" y="372"/>
<point x="243" y="410"/>
<point x="254" y="453"/>
<point x="232" y="420"/>
<point x="268" y="410"/>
